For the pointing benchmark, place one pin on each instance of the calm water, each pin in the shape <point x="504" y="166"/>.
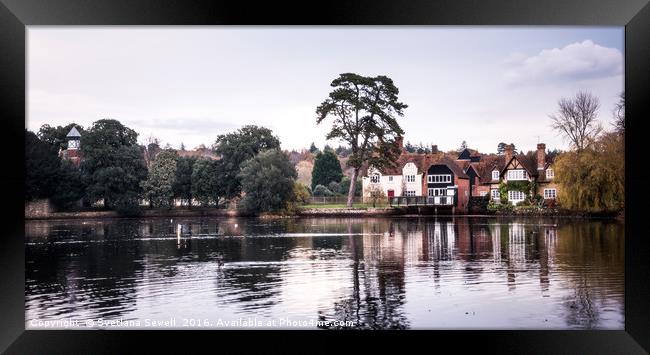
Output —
<point x="405" y="273"/>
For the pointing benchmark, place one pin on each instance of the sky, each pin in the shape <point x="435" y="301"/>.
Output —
<point x="482" y="85"/>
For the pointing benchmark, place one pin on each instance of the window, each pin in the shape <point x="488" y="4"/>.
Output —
<point x="439" y="178"/>
<point x="495" y="194"/>
<point x="410" y="193"/>
<point x="495" y="174"/>
<point x="517" y="174"/>
<point x="374" y="179"/>
<point x="483" y="193"/>
<point x="410" y="178"/>
<point x="550" y="193"/>
<point x="390" y="178"/>
<point x="515" y="196"/>
<point x="438" y="192"/>
<point x="550" y="174"/>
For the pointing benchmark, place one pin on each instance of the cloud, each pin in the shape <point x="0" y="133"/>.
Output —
<point x="579" y="61"/>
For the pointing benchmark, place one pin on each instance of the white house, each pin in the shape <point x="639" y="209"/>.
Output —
<point x="408" y="183"/>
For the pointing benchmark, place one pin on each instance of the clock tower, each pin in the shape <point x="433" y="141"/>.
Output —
<point x="73" y="153"/>
<point x="73" y="138"/>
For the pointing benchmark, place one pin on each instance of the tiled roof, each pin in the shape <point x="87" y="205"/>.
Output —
<point x="424" y="161"/>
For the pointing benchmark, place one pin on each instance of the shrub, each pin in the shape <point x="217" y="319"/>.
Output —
<point x="334" y="187"/>
<point x="321" y="190"/>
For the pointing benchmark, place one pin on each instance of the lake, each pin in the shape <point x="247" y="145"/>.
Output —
<point x="319" y="273"/>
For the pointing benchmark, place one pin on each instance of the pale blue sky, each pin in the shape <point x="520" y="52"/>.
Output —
<point x="483" y="85"/>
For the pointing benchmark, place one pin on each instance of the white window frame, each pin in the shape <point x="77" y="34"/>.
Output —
<point x="495" y="194"/>
<point x="442" y="191"/>
<point x="390" y="179"/>
<point x="550" y="194"/>
<point x="495" y="174"/>
<point x="516" y="193"/>
<point x="410" y="178"/>
<point x="517" y="175"/>
<point x="550" y="173"/>
<point x="375" y="178"/>
<point x="439" y="178"/>
<point x="410" y="192"/>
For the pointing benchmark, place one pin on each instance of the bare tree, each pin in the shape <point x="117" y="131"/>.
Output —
<point x="619" y="114"/>
<point x="577" y="119"/>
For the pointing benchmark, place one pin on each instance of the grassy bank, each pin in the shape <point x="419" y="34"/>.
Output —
<point x="343" y="205"/>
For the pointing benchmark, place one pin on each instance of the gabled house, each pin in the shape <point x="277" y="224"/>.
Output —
<point x="436" y="177"/>
<point x="522" y="167"/>
<point x="442" y="179"/>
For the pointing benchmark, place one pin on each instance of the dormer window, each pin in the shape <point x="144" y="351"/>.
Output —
<point x="374" y="179"/>
<point x="549" y="173"/>
<point x="495" y="174"/>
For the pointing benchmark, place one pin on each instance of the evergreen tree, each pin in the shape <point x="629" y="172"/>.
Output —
<point x="364" y="113"/>
<point x="113" y="165"/>
<point x="237" y="147"/>
<point x="158" y="187"/>
<point x="206" y="180"/>
<point x="183" y="183"/>
<point x="327" y="168"/>
<point x="267" y="181"/>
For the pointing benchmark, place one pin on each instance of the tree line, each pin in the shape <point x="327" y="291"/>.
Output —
<point x="249" y="169"/>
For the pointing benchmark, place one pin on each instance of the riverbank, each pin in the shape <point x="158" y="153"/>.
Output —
<point x="145" y="213"/>
<point x="308" y="211"/>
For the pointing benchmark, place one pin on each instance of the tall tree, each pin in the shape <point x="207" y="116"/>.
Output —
<point x="183" y="183"/>
<point x="237" y="147"/>
<point x="206" y="181"/>
<point x="577" y="119"/>
<point x="70" y="187"/>
<point x="268" y="181"/>
<point x="327" y="168"/>
<point x="363" y="111"/>
<point x="113" y="165"/>
<point x="56" y="136"/>
<point x="158" y="187"/>
<point x="41" y="167"/>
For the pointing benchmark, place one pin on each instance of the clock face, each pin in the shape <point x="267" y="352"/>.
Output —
<point x="73" y="144"/>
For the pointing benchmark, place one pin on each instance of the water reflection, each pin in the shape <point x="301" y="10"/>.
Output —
<point x="385" y="273"/>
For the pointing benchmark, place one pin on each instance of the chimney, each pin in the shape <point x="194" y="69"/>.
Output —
<point x="508" y="153"/>
<point x="541" y="156"/>
<point x="400" y="142"/>
<point x="434" y="149"/>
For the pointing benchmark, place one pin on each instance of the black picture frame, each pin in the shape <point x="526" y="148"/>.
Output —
<point x="15" y="15"/>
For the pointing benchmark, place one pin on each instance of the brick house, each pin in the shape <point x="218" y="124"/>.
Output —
<point x="537" y="167"/>
<point x="437" y="176"/>
<point x="444" y="179"/>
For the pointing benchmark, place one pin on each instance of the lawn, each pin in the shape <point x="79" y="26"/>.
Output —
<point x="342" y="205"/>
